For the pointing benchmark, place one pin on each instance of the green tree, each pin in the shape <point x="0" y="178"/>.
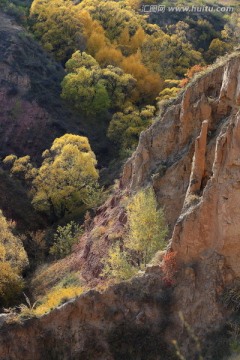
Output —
<point x="125" y="127"/>
<point x="217" y="48"/>
<point x="113" y="16"/>
<point x="170" y="55"/>
<point x="63" y="180"/>
<point x="231" y="32"/>
<point x="84" y="91"/>
<point x="101" y="101"/>
<point x="146" y="226"/>
<point x="64" y="239"/>
<point x="94" y="90"/>
<point x="78" y="89"/>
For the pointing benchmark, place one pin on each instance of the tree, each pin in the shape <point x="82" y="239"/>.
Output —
<point x="85" y="92"/>
<point x="119" y="85"/>
<point x="65" y="176"/>
<point x="80" y="59"/>
<point x="108" y="55"/>
<point x="170" y="55"/>
<point x="124" y="42"/>
<point x="94" y="90"/>
<point x="146" y="226"/>
<point x="113" y="16"/>
<point x="146" y="233"/>
<point x="101" y="101"/>
<point x="64" y="239"/>
<point x="59" y="27"/>
<point x="231" y="32"/>
<point x="137" y="39"/>
<point x="13" y="260"/>
<point x="217" y="48"/>
<point x="148" y="84"/>
<point x="96" y="42"/>
<point x="11" y="283"/>
<point x="21" y="168"/>
<point x="125" y="127"/>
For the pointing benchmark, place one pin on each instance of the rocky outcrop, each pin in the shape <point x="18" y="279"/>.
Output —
<point x="164" y="158"/>
<point x="198" y="164"/>
<point x="193" y="166"/>
<point x="126" y="322"/>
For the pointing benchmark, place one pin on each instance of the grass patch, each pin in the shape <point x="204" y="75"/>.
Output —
<point x="56" y="297"/>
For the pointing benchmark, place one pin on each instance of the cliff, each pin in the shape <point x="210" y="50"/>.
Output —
<point x="190" y="155"/>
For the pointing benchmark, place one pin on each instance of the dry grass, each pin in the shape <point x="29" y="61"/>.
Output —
<point x="49" y="275"/>
<point x="57" y="297"/>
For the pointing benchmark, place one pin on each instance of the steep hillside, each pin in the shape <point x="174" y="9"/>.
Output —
<point x="164" y="158"/>
<point x="191" y="157"/>
<point x="32" y="114"/>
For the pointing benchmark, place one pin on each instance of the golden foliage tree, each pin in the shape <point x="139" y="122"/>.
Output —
<point x="149" y="84"/>
<point x="59" y="26"/>
<point x="108" y="55"/>
<point x="64" y="178"/>
<point x="146" y="234"/>
<point x="13" y="260"/>
<point x="146" y="226"/>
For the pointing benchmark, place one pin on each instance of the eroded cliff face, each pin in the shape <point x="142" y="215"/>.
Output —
<point x="164" y="159"/>
<point x="191" y="157"/>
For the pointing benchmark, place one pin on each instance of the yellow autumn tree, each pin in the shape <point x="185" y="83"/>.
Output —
<point x="146" y="226"/>
<point x="146" y="234"/>
<point x="149" y="84"/>
<point x="108" y="55"/>
<point x="66" y="176"/>
<point x="137" y="39"/>
<point x="13" y="260"/>
<point x="59" y="26"/>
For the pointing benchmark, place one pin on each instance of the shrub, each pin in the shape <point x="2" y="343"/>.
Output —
<point x="117" y="265"/>
<point x="64" y="239"/>
<point x="14" y="252"/>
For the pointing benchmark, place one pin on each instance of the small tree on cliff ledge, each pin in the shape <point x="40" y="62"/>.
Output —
<point x="146" y="235"/>
<point x="146" y="226"/>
